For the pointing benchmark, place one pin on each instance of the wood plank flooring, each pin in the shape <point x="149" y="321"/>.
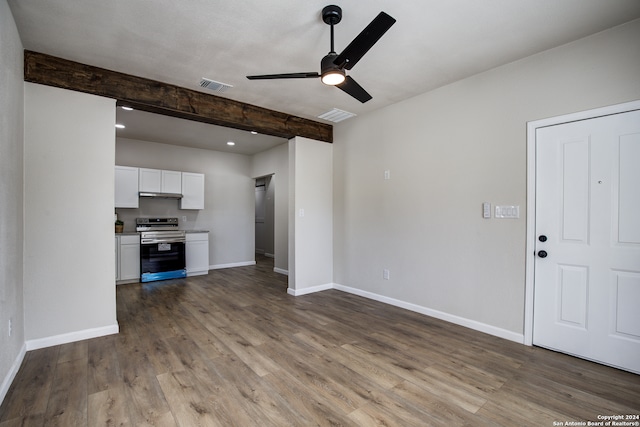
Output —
<point x="233" y="349"/>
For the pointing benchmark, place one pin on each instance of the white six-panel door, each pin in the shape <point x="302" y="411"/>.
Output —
<point x="587" y="230"/>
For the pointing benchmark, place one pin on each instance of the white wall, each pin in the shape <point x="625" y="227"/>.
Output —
<point x="68" y="216"/>
<point x="11" y="199"/>
<point x="275" y="162"/>
<point x="448" y="151"/>
<point x="229" y="196"/>
<point x="311" y="215"/>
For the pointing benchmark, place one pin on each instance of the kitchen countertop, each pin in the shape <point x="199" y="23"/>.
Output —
<point x="135" y="233"/>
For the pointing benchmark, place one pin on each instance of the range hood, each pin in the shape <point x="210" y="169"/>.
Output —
<point x="160" y="195"/>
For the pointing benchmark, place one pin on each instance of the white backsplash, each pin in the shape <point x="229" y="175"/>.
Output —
<point x="157" y="208"/>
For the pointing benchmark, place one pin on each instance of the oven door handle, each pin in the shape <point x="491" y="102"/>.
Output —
<point x="155" y="240"/>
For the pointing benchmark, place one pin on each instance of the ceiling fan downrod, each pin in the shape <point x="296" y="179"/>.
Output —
<point x="332" y="15"/>
<point x="331" y="74"/>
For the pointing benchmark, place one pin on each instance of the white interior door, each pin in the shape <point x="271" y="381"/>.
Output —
<point x="587" y="267"/>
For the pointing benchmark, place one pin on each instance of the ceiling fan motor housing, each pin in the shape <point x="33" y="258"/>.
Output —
<point x="327" y="66"/>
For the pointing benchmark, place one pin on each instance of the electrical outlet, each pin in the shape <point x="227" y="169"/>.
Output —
<point x="385" y="274"/>
<point x="184" y="218"/>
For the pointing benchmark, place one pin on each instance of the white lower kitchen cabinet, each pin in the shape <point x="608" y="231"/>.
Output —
<point x="117" y="244"/>
<point x="128" y="261"/>
<point x="197" y="253"/>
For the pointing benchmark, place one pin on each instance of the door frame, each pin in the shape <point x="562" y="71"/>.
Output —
<point x="531" y="196"/>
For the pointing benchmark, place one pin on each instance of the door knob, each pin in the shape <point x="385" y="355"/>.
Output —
<point x="542" y="238"/>
<point x="542" y="254"/>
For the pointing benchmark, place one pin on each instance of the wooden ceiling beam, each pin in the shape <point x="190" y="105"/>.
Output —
<point x="162" y="98"/>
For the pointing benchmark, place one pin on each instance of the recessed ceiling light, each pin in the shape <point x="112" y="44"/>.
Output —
<point x="126" y="108"/>
<point x="253" y="132"/>
<point x="231" y="143"/>
<point x="119" y="126"/>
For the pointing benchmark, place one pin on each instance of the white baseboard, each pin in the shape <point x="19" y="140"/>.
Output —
<point x="468" y="323"/>
<point x="197" y="273"/>
<point x="72" y="337"/>
<point x="472" y="324"/>
<point x="281" y="271"/>
<point x="231" y="265"/>
<point x="15" y="367"/>
<point x="126" y="282"/>
<point x="310" y="290"/>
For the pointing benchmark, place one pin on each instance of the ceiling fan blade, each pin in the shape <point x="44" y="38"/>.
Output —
<point x="364" y="41"/>
<point x="308" y="75"/>
<point x="351" y="87"/>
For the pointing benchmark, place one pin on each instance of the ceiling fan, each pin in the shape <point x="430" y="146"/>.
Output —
<point x="333" y="65"/>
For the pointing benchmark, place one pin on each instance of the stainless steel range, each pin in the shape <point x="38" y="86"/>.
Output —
<point x="162" y="249"/>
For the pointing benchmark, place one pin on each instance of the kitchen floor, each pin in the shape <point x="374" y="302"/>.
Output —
<point x="264" y="263"/>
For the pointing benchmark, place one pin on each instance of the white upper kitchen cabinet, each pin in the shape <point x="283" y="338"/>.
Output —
<point x="192" y="191"/>
<point x="171" y="182"/>
<point x="150" y="180"/>
<point x="126" y="187"/>
<point x="160" y="181"/>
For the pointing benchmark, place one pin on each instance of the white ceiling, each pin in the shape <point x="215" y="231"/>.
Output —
<point x="433" y="43"/>
<point x="170" y="130"/>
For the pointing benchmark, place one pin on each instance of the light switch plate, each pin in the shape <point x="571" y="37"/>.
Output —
<point x="486" y="210"/>
<point x="507" y="212"/>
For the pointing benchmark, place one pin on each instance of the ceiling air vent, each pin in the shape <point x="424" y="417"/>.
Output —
<point x="214" y="85"/>
<point x="336" y="115"/>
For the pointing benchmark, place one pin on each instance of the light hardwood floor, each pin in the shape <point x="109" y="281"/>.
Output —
<point x="233" y="349"/>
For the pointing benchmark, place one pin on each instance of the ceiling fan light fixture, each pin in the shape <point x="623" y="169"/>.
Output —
<point x="331" y="74"/>
<point x="333" y="77"/>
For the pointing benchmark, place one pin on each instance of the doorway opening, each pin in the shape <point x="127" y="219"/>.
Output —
<point x="265" y="217"/>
